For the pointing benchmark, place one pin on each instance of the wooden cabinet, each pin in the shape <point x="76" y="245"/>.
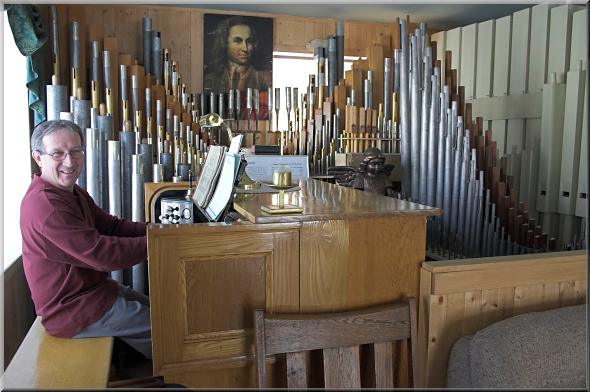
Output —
<point x="348" y="249"/>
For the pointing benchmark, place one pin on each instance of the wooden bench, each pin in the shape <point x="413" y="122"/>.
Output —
<point x="44" y="361"/>
<point x="460" y="297"/>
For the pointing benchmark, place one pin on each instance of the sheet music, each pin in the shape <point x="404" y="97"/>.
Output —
<point x="209" y="175"/>
<point x="236" y="143"/>
<point x="225" y="187"/>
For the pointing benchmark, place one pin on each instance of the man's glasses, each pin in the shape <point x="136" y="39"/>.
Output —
<point x="61" y="155"/>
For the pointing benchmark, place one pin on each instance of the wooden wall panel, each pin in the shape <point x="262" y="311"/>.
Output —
<point x="469" y="36"/>
<point x="441" y="44"/>
<point x="465" y="305"/>
<point x="537" y="75"/>
<point x="560" y="34"/>
<point x="182" y="31"/>
<point x="453" y="43"/>
<point x="582" y="194"/>
<point x="501" y="72"/>
<point x="538" y="47"/>
<point x="519" y="55"/>
<point x="572" y="134"/>
<point x="485" y="59"/>
<point x="579" y="42"/>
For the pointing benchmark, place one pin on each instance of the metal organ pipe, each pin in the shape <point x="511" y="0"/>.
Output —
<point x="405" y="142"/>
<point x="57" y="101"/>
<point x="92" y="164"/>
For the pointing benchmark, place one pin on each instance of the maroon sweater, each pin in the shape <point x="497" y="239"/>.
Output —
<point x="69" y="247"/>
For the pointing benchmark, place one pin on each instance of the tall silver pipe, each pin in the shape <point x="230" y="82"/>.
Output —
<point x="370" y="92"/>
<point x="104" y="124"/>
<point x="387" y="91"/>
<point x="81" y="113"/>
<point x="415" y="122"/>
<point x="332" y="65"/>
<point x="288" y="105"/>
<point x="404" y="111"/>
<point x="447" y="179"/>
<point x="269" y="106"/>
<point x="471" y="214"/>
<point x="95" y="63"/>
<point x="57" y="101"/>
<point x="167" y="162"/>
<point x="204" y="104"/>
<point x="114" y="186"/>
<point x="114" y="177"/>
<point x="463" y="183"/>
<point x="106" y="63"/>
<point x="139" y="271"/>
<point x="366" y="94"/>
<point x="183" y="169"/>
<point x="147" y="161"/>
<point x="230" y="105"/>
<point x="457" y="159"/>
<point x="397" y="53"/>
<point x="339" y="50"/>
<point x="137" y="181"/>
<point x="75" y="46"/>
<point x="158" y="173"/>
<point x="92" y="164"/>
<point x="213" y="103"/>
<point x="221" y="105"/>
<point x="148" y="103"/>
<point x="169" y="124"/>
<point x="134" y="97"/>
<point x="321" y="61"/>
<point x="123" y="82"/>
<point x="425" y="131"/>
<point x="480" y="212"/>
<point x="54" y="34"/>
<point x="156" y="61"/>
<point x="277" y="102"/>
<point x="81" y="110"/>
<point x="238" y="103"/>
<point x="147" y="47"/>
<point x="128" y="141"/>
<point x="93" y="115"/>
<point x="67" y="116"/>
<point x="433" y="140"/>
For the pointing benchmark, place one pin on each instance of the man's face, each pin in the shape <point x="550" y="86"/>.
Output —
<point x="62" y="174"/>
<point x="239" y="44"/>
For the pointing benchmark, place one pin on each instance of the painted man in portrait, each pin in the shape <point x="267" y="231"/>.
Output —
<point x="236" y="57"/>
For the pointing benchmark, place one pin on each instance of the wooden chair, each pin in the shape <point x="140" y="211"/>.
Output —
<point x="339" y="336"/>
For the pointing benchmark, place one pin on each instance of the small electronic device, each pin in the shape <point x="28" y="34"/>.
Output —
<point x="176" y="210"/>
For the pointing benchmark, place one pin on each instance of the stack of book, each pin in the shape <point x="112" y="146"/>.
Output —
<point x="218" y="178"/>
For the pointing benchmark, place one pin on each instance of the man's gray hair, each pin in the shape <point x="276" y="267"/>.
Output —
<point x="49" y="127"/>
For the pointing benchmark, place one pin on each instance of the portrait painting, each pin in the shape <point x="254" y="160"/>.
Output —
<point x="238" y="55"/>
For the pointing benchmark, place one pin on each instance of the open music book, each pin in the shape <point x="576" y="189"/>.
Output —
<point x="218" y="177"/>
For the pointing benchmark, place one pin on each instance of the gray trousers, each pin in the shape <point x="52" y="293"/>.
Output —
<point x="128" y="319"/>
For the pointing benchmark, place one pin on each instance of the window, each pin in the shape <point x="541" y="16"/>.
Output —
<point x="16" y="163"/>
<point x="293" y="70"/>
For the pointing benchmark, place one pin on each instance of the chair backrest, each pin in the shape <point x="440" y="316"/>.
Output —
<point x="339" y="336"/>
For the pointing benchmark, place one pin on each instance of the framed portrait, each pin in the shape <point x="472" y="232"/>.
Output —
<point x="238" y="55"/>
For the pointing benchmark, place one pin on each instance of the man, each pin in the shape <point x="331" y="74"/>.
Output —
<point x="70" y="245"/>
<point x="232" y="61"/>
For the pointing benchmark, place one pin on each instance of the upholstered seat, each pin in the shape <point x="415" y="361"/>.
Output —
<point x="532" y="350"/>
